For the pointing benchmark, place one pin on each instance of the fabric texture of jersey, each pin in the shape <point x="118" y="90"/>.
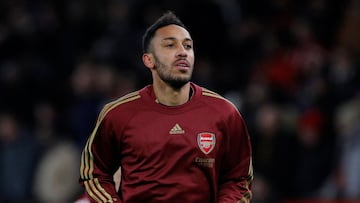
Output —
<point x="196" y="152"/>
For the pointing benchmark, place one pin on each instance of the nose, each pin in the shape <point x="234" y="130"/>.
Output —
<point x="181" y="51"/>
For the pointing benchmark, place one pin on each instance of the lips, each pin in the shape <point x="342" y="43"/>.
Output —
<point x="182" y="64"/>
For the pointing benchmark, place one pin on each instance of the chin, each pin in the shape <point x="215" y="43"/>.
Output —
<point x="178" y="84"/>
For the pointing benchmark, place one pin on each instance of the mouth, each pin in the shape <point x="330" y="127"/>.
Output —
<point x="182" y="65"/>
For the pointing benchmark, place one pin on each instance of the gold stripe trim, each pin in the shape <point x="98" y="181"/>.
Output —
<point x="245" y="199"/>
<point x="98" y="193"/>
<point x="212" y="95"/>
<point x="92" y="137"/>
<point x="111" y="104"/>
<point x="82" y="165"/>
<point x="208" y="91"/>
<point x="251" y="171"/>
<point x="215" y="95"/>
<point x="87" y="163"/>
<point x="247" y="196"/>
<point x="87" y="158"/>
<point x="92" y="195"/>
<point x="101" y="189"/>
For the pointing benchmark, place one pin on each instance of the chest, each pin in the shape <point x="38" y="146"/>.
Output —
<point x="153" y="133"/>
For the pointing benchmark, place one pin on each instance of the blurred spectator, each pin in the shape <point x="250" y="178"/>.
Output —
<point x="348" y="129"/>
<point x="19" y="152"/>
<point x="343" y="75"/>
<point x="57" y="167"/>
<point x="344" y="182"/>
<point x="314" y="154"/>
<point x="44" y="127"/>
<point x="56" y="174"/>
<point x="111" y="82"/>
<point x="85" y="103"/>
<point x="273" y="153"/>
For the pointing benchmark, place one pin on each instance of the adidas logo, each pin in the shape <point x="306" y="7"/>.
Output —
<point x="176" y="130"/>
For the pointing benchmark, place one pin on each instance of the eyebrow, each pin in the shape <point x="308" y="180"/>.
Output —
<point x="173" y="38"/>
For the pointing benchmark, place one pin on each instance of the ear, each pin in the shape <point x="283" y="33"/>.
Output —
<point x="148" y="60"/>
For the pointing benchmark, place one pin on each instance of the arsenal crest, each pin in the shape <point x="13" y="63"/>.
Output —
<point x="206" y="142"/>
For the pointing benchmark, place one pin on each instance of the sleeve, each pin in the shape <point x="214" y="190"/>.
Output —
<point x="99" y="163"/>
<point x="237" y="172"/>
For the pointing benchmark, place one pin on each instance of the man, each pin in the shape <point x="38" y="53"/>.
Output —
<point x="173" y="140"/>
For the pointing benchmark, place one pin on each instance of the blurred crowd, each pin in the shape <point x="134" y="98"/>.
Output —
<point x="291" y="67"/>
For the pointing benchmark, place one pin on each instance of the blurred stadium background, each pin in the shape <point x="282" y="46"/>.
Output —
<point x="291" y="67"/>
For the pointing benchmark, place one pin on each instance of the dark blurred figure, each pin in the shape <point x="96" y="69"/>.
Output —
<point x="273" y="157"/>
<point x="85" y="103"/>
<point x="344" y="182"/>
<point x="314" y="154"/>
<point x="57" y="168"/>
<point x="347" y="123"/>
<point x="18" y="158"/>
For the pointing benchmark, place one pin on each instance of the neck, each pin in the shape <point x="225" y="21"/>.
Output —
<point x="169" y="96"/>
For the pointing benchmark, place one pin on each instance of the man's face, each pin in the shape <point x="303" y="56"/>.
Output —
<point x="173" y="55"/>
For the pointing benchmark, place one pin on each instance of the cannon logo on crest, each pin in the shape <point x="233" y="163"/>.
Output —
<point x="206" y="142"/>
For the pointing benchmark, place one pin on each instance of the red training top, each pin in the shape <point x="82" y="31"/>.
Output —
<point x="196" y="152"/>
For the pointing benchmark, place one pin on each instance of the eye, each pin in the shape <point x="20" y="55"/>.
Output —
<point x="188" y="46"/>
<point x="169" y="45"/>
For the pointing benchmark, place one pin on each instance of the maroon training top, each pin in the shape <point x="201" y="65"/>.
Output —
<point x="196" y="152"/>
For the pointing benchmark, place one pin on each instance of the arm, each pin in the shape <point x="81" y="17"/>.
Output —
<point x="99" y="163"/>
<point x="237" y="172"/>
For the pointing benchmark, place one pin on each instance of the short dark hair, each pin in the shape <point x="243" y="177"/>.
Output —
<point x="168" y="18"/>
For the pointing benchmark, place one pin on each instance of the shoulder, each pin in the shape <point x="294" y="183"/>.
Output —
<point x="122" y="105"/>
<point x="215" y="100"/>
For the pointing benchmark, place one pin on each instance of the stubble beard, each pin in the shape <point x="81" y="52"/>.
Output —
<point x="165" y="75"/>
